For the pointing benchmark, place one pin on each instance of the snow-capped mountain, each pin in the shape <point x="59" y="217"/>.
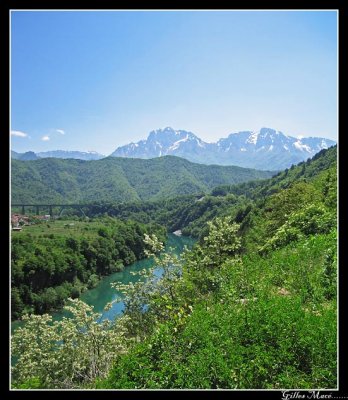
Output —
<point x="163" y="142"/>
<point x="264" y="149"/>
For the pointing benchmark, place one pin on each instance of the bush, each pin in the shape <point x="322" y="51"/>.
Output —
<point x="275" y="347"/>
<point x="312" y="219"/>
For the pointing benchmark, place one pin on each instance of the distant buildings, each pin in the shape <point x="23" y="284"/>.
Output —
<point x="18" y="220"/>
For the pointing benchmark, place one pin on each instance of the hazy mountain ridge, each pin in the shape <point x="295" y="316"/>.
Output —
<point x="27" y="156"/>
<point x="65" y="154"/>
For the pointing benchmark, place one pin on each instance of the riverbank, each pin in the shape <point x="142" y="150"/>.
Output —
<point x="103" y="293"/>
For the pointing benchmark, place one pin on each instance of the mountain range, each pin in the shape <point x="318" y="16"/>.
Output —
<point x="265" y="149"/>
<point x="118" y="179"/>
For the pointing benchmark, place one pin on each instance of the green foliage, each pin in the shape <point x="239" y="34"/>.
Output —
<point x="278" y="348"/>
<point x="31" y="383"/>
<point x="221" y="244"/>
<point x="313" y="219"/>
<point x="281" y="204"/>
<point x="300" y="209"/>
<point x="222" y="241"/>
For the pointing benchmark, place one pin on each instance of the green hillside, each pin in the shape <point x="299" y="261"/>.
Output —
<point x="118" y="179"/>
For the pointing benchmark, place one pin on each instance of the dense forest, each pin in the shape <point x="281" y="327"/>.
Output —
<point x="252" y="306"/>
<point x="60" y="260"/>
<point x="118" y="179"/>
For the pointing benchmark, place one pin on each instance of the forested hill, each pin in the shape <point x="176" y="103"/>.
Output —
<point x="119" y="179"/>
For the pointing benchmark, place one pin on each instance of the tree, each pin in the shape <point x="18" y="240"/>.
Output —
<point x="67" y="353"/>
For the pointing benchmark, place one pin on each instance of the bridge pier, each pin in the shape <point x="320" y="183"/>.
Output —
<point x="35" y="208"/>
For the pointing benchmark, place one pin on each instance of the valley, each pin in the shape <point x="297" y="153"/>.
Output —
<point x="264" y="262"/>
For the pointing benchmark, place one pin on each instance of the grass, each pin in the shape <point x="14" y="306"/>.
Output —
<point x="61" y="228"/>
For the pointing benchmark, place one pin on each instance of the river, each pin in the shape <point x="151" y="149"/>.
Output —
<point x="103" y="293"/>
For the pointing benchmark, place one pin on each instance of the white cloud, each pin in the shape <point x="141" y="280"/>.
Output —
<point x="60" y="131"/>
<point x="45" y="138"/>
<point x="19" y="134"/>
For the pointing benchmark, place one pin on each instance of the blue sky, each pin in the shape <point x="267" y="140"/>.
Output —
<point x="95" y="80"/>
